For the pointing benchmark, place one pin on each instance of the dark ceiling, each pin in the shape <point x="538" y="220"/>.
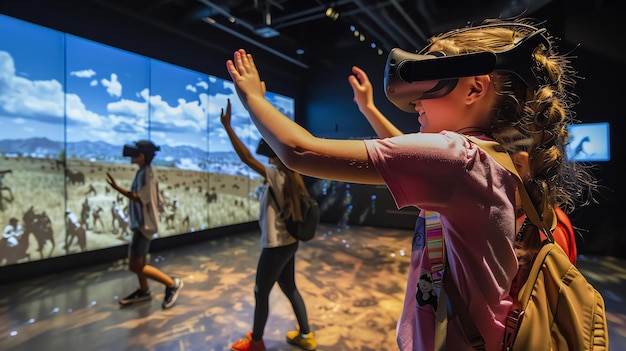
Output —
<point x="286" y="27"/>
<point x="305" y="33"/>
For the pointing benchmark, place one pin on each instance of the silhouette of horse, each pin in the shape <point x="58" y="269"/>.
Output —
<point x="40" y="226"/>
<point x="210" y="197"/>
<point x="74" y="177"/>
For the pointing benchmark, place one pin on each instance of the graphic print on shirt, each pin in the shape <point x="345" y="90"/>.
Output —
<point x="418" y="234"/>
<point x="426" y="293"/>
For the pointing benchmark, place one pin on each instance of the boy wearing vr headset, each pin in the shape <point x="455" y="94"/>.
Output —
<point x="501" y="81"/>
<point x="144" y="199"/>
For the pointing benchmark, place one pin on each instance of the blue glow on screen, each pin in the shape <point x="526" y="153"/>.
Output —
<point x="589" y="142"/>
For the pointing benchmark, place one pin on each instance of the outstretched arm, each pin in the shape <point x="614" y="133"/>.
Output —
<point x="342" y="160"/>
<point x="241" y="150"/>
<point x="364" y="98"/>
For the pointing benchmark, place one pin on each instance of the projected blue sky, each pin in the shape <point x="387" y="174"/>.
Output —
<point x="110" y="95"/>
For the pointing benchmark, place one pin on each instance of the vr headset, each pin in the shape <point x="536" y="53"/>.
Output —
<point x="264" y="149"/>
<point x="140" y="147"/>
<point x="410" y="76"/>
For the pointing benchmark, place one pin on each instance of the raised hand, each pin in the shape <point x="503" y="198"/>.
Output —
<point x="225" y="117"/>
<point x="361" y="87"/>
<point x="244" y="74"/>
<point x="112" y="182"/>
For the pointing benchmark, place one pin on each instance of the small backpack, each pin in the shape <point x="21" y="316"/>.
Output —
<point x="305" y="230"/>
<point x="559" y="309"/>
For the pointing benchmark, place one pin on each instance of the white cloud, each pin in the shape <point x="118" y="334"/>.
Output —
<point x="86" y="73"/>
<point x="114" y="87"/>
<point x="191" y="88"/>
<point x="203" y="85"/>
<point x="77" y="112"/>
<point x="187" y="115"/>
<point x="93" y="83"/>
<point x="28" y="98"/>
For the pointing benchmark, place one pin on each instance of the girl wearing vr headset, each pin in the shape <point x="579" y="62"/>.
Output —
<point x="144" y="199"/>
<point x="277" y="260"/>
<point x="522" y="103"/>
<point x="564" y="233"/>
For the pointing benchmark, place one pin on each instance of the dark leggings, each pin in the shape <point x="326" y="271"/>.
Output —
<point x="277" y="264"/>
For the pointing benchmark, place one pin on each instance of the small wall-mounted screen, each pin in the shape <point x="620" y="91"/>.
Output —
<point x="590" y="142"/>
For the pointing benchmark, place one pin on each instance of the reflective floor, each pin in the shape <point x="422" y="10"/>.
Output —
<point x="352" y="281"/>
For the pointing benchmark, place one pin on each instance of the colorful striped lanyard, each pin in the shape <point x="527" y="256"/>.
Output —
<point x="435" y="246"/>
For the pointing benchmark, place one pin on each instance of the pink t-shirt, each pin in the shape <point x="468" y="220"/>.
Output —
<point x="475" y="197"/>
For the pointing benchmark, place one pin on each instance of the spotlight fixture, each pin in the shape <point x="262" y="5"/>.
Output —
<point x="332" y="14"/>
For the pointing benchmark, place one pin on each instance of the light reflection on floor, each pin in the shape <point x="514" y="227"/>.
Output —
<point x="352" y="281"/>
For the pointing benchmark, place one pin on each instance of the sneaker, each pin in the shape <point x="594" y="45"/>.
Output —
<point x="171" y="294"/>
<point x="137" y="296"/>
<point x="247" y="344"/>
<point x="303" y="341"/>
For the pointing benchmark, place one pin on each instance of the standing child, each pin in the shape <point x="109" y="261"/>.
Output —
<point x="277" y="260"/>
<point x="440" y="170"/>
<point x="144" y="199"/>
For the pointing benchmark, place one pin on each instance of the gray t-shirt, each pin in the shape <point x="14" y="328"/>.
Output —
<point x="273" y="230"/>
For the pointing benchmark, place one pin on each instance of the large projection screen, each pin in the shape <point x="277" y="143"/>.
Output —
<point x="67" y="107"/>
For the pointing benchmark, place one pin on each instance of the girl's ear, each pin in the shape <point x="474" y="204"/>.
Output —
<point x="478" y="88"/>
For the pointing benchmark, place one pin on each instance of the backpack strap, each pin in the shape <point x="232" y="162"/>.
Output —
<point x="546" y="222"/>
<point x="437" y="258"/>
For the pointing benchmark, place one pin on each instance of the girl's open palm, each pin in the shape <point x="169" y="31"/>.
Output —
<point x="244" y="74"/>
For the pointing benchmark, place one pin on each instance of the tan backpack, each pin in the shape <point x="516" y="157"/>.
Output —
<point x="561" y="310"/>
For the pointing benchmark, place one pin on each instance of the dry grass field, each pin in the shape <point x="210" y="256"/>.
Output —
<point x="80" y="194"/>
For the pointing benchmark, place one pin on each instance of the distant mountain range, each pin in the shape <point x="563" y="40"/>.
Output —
<point x="183" y="157"/>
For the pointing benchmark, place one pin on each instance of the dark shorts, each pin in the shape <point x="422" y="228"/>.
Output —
<point x="139" y="245"/>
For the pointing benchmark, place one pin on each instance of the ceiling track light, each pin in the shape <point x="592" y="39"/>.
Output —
<point x="332" y="13"/>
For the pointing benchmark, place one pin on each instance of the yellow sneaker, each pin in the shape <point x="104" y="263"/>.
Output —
<point x="303" y="341"/>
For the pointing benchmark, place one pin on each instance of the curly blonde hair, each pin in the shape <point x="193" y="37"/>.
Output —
<point x="531" y="119"/>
